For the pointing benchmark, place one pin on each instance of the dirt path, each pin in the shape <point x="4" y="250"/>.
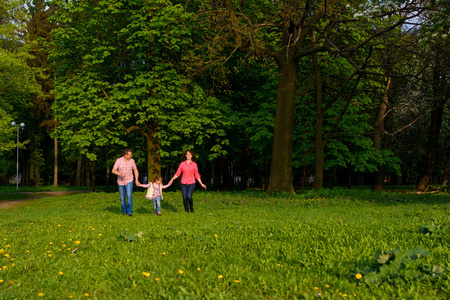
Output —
<point x="35" y="195"/>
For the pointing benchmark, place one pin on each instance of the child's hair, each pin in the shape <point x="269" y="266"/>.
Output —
<point x="157" y="177"/>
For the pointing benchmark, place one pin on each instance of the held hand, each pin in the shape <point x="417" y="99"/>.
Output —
<point x="204" y="186"/>
<point x="137" y="183"/>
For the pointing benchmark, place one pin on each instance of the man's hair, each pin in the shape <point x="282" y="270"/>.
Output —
<point x="126" y="151"/>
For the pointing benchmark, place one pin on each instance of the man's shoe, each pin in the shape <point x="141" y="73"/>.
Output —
<point x="130" y="215"/>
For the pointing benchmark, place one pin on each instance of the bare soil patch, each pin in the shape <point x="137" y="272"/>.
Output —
<point x="4" y="204"/>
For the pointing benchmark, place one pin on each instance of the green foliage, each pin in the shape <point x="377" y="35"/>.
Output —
<point x="130" y="79"/>
<point x="442" y="231"/>
<point x="397" y="267"/>
<point x="130" y="237"/>
<point x="6" y="132"/>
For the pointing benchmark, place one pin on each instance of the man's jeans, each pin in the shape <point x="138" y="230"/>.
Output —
<point x="188" y="190"/>
<point x="126" y="190"/>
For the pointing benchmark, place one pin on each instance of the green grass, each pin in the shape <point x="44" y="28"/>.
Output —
<point x="242" y="245"/>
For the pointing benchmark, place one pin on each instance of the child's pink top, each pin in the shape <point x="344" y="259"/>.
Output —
<point x="190" y="172"/>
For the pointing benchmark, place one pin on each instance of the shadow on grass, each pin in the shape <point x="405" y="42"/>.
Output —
<point x="143" y="209"/>
<point x="147" y="207"/>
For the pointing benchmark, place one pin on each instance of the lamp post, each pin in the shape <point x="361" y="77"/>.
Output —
<point x="17" y="173"/>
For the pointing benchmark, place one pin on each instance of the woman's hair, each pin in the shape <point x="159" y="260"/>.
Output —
<point x="157" y="177"/>
<point x="194" y="157"/>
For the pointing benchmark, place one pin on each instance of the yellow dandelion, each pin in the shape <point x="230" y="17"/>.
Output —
<point x="128" y="260"/>
<point x="354" y="295"/>
<point x="2" y="251"/>
<point x="77" y="242"/>
<point x="60" y="273"/>
<point x="278" y="265"/>
<point x="12" y="265"/>
<point x="164" y="253"/>
<point x="86" y="295"/>
<point x="180" y="272"/>
<point x="220" y="276"/>
<point x="134" y="285"/>
<point x="99" y="234"/>
<point x="41" y="294"/>
<point x="49" y="255"/>
<point x="5" y="267"/>
<point x="327" y="286"/>
<point x="146" y="274"/>
<point x="344" y="295"/>
<point x="198" y="269"/>
<point x="156" y="279"/>
<point x="215" y="235"/>
<point x="1" y="280"/>
<point x="7" y="246"/>
<point x="358" y="276"/>
<point x="6" y="255"/>
<point x="236" y="281"/>
<point x="58" y="225"/>
<point x="316" y="288"/>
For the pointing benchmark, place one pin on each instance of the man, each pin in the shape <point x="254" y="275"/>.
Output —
<point x="124" y="168"/>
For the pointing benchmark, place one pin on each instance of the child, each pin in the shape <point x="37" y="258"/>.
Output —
<point x="154" y="192"/>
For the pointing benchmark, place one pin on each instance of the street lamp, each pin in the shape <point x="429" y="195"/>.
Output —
<point x="17" y="173"/>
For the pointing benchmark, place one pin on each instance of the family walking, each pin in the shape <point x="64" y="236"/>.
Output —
<point x="188" y="170"/>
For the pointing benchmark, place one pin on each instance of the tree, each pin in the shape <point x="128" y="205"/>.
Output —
<point x="129" y="80"/>
<point x="39" y="28"/>
<point x="435" y="36"/>
<point x="280" y="30"/>
<point x="17" y="78"/>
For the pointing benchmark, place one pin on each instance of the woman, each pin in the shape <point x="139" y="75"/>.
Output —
<point x="189" y="171"/>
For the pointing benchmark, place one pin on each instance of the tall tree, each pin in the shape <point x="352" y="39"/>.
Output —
<point x="280" y="30"/>
<point x="435" y="36"/>
<point x="120" y="71"/>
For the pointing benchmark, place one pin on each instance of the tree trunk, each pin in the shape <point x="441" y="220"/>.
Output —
<point x="87" y="175"/>
<point x="281" y="167"/>
<point x="55" y="164"/>
<point x="92" y="171"/>
<point x="439" y="99"/>
<point x="378" y="134"/>
<point x="153" y="158"/>
<point x="245" y="183"/>
<point x="78" y="173"/>
<point x="320" y="147"/>
<point x="108" y="173"/>
<point x="447" y="168"/>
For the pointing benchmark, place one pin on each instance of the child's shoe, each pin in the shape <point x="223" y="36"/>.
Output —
<point x="159" y="214"/>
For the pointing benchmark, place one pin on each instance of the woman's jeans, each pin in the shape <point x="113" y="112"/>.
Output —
<point x="126" y="190"/>
<point x="157" y="205"/>
<point x="188" y="190"/>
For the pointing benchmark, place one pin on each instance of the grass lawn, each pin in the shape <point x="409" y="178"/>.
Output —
<point x="328" y="244"/>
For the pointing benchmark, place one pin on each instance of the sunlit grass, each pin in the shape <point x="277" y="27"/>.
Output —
<point x="244" y="245"/>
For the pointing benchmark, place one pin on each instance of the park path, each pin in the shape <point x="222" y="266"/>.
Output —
<point x="36" y="195"/>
